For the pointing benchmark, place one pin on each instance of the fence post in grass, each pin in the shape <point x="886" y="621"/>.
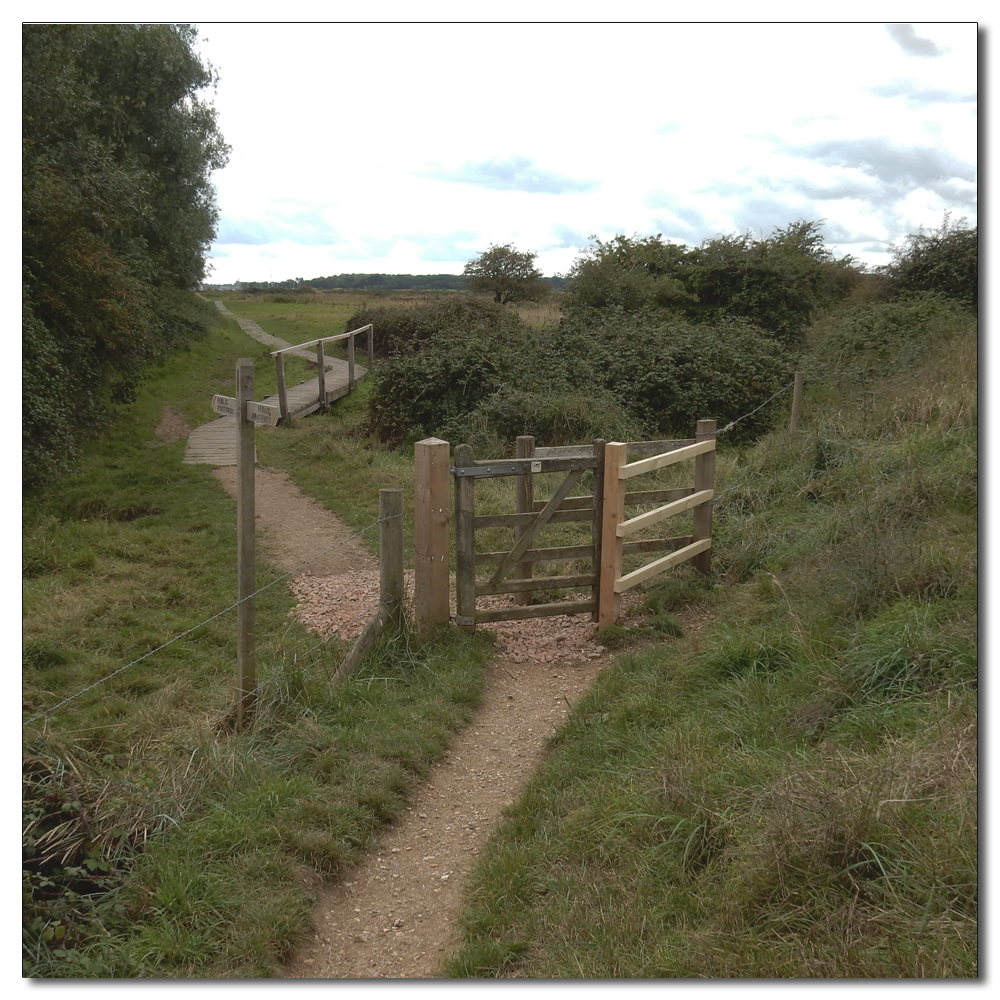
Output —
<point x="525" y="497"/>
<point x="615" y="456"/>
<point x="465" y="543"/>
<point x="390" y="560"/>
<point x="371" y="345"/>
<point x="598" y="528"/>
<point x="246" y="571"/>
<point x="279" y="369"/>
<point x="321" y="366"/>
<point x="351" y="383"/>
<point x="793" y="423"/>
<point x="431" y="459"/>
<point x="704" y="479"/>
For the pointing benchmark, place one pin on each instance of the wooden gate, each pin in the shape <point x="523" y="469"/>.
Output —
<point x="510" y="572"/>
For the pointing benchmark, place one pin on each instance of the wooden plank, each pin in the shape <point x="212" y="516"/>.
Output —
<point x="362" y="646"/>
<point x="465" y="543"/>
<point x="313" y="343"/>
<point x="640" y="521"/>
<point x="539" y="521"/>
<point x="513" y="520"/>
<point x="246" y="527"/>
<point x="635" y="448"/>
<point x="704" y="479"/>
<point x="524" y="504"/>
<point x="279" y="366"/>
<point x="565" y="553"/>
<point x="521" y="467"/>
<point x="667" y="458"/>
<point x="658" y="566"/>
<point x="615" y="454"/>
<point x="534" y="611"/>
<point x="597" y="527"/>
<point x="430" y="499"/>
<point x="574" y="582"/>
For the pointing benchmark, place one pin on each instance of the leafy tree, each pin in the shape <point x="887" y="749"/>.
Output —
<point x="507" y="274"/>
<point x="117" y="215"/>
<point x="629" y="273"/>
<point x="945" y="260"/>
<point x="777" y="283"/>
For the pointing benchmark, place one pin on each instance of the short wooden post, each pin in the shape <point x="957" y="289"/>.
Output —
<point x="246" y="570"/>
<point x="351" y="382"/>
<point x="465" y="543"/>
<point x="321" y="365"/>
<point x="704" y="479"/>
<point x="615" y="456"/>
<point x="793" y="423"/>
<point x="598" y="527"/>
<point x="371" y="345"/>
<point x="431" y="459"/>
<point x="524" y="498"/>
<point x="279" y="367"/>
<point x="390" y="561"/>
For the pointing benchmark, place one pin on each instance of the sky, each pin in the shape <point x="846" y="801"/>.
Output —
<point x="412" y="147"/>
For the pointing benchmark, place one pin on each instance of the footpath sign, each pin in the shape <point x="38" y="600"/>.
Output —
<point x="257" y="413"/>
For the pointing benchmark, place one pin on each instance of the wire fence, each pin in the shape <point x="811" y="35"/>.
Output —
<point x="207" y="621"/>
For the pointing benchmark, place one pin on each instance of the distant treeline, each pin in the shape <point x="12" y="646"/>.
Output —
<point x="386" y="282"/>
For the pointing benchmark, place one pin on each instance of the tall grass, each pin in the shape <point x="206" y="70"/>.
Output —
<point x="157" y="842"/>
<point x="791" y="791"/>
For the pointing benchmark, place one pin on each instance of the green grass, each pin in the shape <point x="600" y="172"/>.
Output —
<point x="792" y="792"/>
<point x="158" y="842"/>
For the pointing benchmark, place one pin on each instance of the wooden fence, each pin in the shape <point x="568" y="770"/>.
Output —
<point x="512" y="571"/>
<point x="616" y="527"/>
<point x="325" y="394"/>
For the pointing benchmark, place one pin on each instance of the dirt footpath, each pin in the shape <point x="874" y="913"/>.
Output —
<point x="394" y="915"/>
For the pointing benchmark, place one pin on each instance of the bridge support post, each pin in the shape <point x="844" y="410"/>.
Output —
<point x="246" y="569"/>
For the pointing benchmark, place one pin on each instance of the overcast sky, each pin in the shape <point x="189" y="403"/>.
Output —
<point x="409" y="148"/>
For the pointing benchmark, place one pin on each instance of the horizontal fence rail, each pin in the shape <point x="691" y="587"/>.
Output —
<point x="323" y="397"/>
<point x="617" y="527"/>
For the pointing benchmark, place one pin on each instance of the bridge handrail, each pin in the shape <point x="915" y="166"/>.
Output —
<point x="322" y="340"/>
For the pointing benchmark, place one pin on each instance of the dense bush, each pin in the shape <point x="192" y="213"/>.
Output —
<point x="405" y="329"/>
<point x="945" y="261"/>
<point x="626" y="375"/>
<point x="778" y="283"/>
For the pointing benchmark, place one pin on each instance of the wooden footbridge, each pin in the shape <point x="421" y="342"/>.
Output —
<point x="214" y="443"/>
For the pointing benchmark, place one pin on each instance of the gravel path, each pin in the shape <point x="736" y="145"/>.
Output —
<point x="394" y="915"/>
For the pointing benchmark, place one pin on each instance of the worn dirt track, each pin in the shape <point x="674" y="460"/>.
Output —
<point x="394" y="915"/>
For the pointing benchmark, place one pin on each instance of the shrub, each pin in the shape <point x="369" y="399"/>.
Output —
<point x="945" y="261"/>
<point x="403" y="330"/>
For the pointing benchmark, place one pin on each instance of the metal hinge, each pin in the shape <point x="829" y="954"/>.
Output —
<point x="464" y="620"/>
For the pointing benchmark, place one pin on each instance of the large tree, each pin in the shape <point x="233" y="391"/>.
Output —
<point x="118" y="213"/>
<point x="506" y="273"/>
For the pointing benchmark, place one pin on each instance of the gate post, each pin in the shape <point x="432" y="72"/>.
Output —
<point x="704" y="479"/>
<point x="465" y="543"/>
<point x="524" y="499"/>
<point x="431" y="459"/>
<point x="615" y="456"/>
<point x="598" y="529"/>
<point x="246" y="572"/>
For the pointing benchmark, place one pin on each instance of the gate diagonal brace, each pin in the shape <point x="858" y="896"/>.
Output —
<point x="524" y="542"/>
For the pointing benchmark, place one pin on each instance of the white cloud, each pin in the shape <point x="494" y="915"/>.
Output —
<point x="392" y="147"/>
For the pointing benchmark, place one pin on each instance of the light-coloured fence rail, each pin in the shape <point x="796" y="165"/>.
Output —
<point x="617" y="527"/>
<point x="325" y="394"/>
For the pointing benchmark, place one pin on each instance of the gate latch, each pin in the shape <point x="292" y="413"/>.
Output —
<point x="464" y="620"/>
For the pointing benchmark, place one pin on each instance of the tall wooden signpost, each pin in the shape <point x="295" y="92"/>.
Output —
<point x="248" y="414"/>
